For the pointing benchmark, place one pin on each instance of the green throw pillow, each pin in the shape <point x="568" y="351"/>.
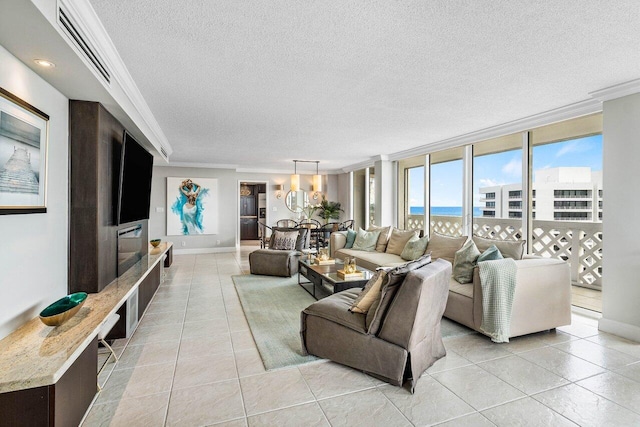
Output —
<point x="366" y="240"/>
<point x="351" y="238"/>
<point x="464" y="262"/>
<point x="490" y="254"/>
<point x="414" y="248"/>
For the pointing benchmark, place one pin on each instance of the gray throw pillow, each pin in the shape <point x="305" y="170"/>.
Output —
<point x="445" y="247"/>
<point x="414" y="248"/>
<point x="508" y="248"/>
<point x="491" y="254"/>
<point x="302" y="241"/>
<point x="383" y="237"/>
<point x="285" y="240"/>
<point x="398" y="240"/>
<point x="464" y="262"/>
<point x="366" y="240"/>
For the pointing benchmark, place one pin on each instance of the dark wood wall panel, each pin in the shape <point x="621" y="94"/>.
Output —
<point x="95" y="142"/>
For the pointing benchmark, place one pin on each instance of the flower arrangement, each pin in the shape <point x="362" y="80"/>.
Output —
<point x="310" y="209"/>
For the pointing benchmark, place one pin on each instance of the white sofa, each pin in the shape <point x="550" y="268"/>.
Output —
<point x="542" y="298"/>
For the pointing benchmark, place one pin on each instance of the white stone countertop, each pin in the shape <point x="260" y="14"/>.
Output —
<point x="37" y="355"/>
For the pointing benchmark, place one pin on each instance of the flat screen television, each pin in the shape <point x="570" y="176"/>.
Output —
<point x="134" y="188"/>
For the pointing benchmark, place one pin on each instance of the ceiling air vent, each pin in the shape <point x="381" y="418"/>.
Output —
<point x="164" y="153"/>
<point x="72" y="30"/>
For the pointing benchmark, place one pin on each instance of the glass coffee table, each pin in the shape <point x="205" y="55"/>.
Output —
<point x="323" y="280"/>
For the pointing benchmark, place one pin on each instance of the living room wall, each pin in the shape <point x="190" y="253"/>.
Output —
<point x="33" y="253"/>
<point x="621" y="260"/>
<point x="228" y="210"/>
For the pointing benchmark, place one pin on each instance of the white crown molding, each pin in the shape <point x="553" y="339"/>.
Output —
<point x="617" y="91"/>
<point x="133" y="104"/>
<point x="380" y="158"/>
<point x="582" y="108"/>
<point x="357" y="166"/>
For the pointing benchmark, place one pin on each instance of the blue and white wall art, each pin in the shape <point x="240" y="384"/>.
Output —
<point x="192" y="206"/>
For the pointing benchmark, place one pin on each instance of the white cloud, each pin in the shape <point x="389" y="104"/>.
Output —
<point x="488" y="182"/>
<point x="577" y="146"/>
<point x="514" y="167"/>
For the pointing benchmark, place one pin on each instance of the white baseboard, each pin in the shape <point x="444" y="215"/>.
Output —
<point x="624" y="330"/>
<point x="586" y="313"/>
<point x="197" y="251"/>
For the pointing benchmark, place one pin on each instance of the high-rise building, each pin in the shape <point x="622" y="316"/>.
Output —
<point x="561" y="194"/>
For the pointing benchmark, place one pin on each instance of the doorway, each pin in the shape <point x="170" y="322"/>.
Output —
<point x="252" y="210"/>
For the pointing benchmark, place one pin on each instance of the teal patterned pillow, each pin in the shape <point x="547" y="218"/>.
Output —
<point x="490" y="254"/>
<point x="414" y="248"/>
<point x="351" y="238"/>
<point x="366" y="240"/>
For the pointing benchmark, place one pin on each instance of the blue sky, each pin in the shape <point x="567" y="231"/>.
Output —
<point x="502" y="168"/>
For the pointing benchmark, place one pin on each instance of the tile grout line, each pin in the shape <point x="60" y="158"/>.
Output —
<point x="175" y="363"/>
<point x="235" y="362"/>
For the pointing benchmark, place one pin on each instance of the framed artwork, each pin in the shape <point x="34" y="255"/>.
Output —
<point x="192" y="206"/>
<point x="24" y="133"/>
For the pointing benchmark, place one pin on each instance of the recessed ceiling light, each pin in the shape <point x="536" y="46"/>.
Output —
<point x="44" y="63"/>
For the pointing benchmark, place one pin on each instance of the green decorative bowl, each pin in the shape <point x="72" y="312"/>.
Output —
<point x="63" y="309"/>
<point x="155" y="242"/>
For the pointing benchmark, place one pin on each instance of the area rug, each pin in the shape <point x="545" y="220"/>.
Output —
<point x="272" y="306"/>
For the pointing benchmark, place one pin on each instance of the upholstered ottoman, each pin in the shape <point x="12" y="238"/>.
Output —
<point x="273" y="262"/>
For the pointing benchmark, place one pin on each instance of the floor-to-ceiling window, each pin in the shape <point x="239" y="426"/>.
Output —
<point x="567" y="199"/>
<point x="497" y="188"/>
<point x="445" y="192"/>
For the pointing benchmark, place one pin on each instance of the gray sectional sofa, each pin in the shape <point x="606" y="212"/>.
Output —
<point x="542" y="298"/>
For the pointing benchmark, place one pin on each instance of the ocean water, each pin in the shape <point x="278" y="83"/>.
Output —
<point x="444" y="211"/>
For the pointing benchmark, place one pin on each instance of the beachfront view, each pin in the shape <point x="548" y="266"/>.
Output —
<point x="565" y="201"/>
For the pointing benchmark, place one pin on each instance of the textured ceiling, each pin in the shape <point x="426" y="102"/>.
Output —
<point x="259" y="83"/>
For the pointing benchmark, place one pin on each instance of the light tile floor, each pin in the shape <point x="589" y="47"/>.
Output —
<point x="193" y="362"/>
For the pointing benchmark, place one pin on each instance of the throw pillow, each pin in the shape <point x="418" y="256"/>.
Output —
<point x="464" y="262"/>
<point x="490" y="254"/>
<point x="444" y="247"/>
<point x="381" y="245"/>
<point x="394" y="279"/>
<point x="302" y="241"/>
<point x="351" y="237"/>
<point x="508" y="248"/>
<point x="369" y="294"/>
<point x="285" y="240"/>
<point x="414" y="248"/>
<point x="398" y="240"/>
<point x="366" y="240"/>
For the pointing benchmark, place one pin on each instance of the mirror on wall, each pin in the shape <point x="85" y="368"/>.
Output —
<point x="297" y="200"/>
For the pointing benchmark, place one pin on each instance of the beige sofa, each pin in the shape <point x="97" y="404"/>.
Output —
<point x="542" y="298"/>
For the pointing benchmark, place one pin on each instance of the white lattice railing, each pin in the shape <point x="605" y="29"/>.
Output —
<point x="579" y="243"/>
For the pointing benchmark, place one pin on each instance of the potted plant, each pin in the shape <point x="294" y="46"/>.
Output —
<point x="329" y="210"/>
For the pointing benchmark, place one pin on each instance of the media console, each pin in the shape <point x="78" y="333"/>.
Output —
<point x="48" y="375"/>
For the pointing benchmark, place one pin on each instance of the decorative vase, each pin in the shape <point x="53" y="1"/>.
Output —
<point x="350" y="265"/>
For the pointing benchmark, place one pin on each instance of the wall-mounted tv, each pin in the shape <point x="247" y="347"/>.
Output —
<point x="134" y="189"/>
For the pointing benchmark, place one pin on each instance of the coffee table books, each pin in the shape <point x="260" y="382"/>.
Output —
<point x="355" y="275"/>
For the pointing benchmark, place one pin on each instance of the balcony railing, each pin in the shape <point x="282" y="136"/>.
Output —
<point x="579" y="243"/>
